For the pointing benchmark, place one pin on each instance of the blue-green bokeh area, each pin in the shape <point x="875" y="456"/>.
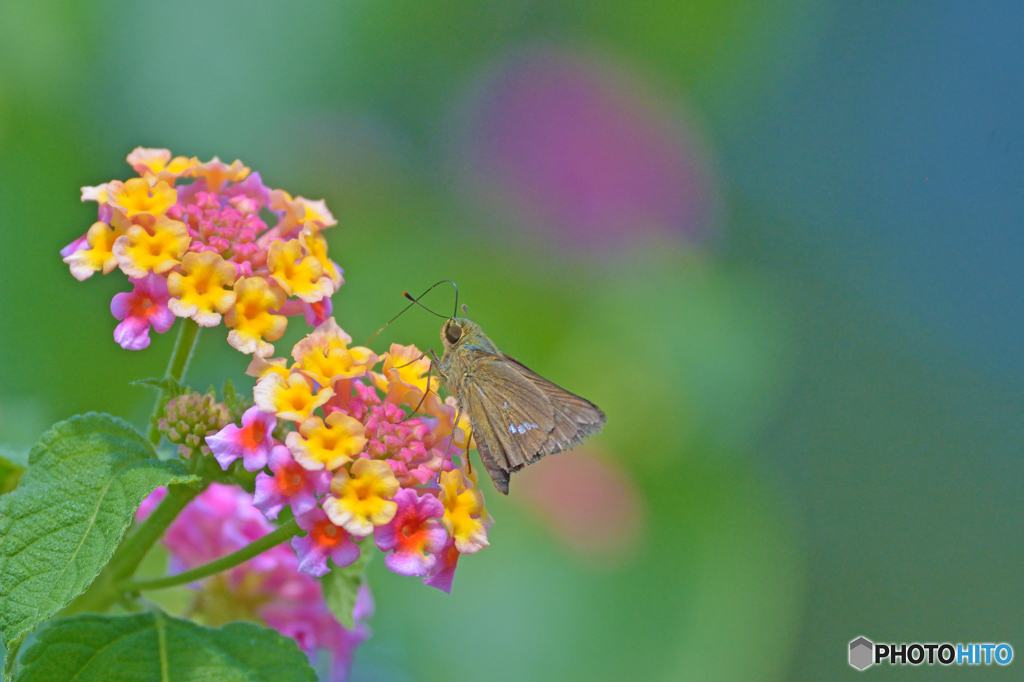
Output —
<point x="775" y="240"/>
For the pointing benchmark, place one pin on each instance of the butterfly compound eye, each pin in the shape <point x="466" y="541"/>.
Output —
<point x="453" y="332"/>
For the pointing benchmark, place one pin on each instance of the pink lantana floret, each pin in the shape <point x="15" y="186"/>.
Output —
<point x="443" y="572"/>
<point x="315" y="313"/>
<point x="323" y="540"/>
<point x="252" y="441"/>
<point x="251" y="188"/>
<point x="356" y="406"/>
<point x="75" y="245"/>
<point x="143" y="307"/>
<point x="291" y="484"/>
<point x="401" y="442"/>
<point x="415" y="535"/>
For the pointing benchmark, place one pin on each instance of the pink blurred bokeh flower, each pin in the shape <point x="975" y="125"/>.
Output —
<point x="269" y="587"/>
<point x="574" y="145"/>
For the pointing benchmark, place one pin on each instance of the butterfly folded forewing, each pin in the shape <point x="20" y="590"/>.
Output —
<point x="519" y="416"/>
<point x="574" y="417"/>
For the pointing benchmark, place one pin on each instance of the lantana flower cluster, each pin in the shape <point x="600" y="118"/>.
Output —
<point x="269" y="587"/>
<point x="193" y="241"/>
<point x="360" y="453"/>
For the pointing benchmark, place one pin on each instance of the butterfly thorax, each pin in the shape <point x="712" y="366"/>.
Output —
<point x="459" y="356"/>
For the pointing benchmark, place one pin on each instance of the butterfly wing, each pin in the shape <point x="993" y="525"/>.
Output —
<point x="574" y="417"/>
<point x="510" y="417"/>
<point x="519" y="416"/>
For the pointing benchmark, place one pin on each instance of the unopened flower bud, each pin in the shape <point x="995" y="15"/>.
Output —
<point x="190" y="418"/>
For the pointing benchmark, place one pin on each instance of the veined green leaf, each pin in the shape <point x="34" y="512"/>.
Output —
<point x="86" y="477"/>
<point x="155" y="646"/>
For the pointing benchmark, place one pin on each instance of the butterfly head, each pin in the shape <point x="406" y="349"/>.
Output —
<point x="456" y="330"/>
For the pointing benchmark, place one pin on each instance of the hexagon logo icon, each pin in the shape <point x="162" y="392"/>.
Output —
<point x="862" y="653"/>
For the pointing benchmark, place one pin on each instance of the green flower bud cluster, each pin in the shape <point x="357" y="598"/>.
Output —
<point x="190" y="418"/>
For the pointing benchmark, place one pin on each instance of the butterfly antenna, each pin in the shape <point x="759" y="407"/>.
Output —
<point x="416" y="301"/>
<point x="377" y="333"/>
<point x="436" y="284"/>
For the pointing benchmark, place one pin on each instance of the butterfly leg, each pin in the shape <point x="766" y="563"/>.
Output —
<point x="434" y="362"/>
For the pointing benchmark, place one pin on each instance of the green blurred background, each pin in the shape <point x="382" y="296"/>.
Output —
<point x="777" y="241"/>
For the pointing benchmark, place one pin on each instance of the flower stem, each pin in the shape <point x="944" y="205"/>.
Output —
<point x="188" y="333"/>
<point x="282" y="534"/>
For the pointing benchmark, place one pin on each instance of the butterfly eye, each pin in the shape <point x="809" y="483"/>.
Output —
<point x="453" y="332"/>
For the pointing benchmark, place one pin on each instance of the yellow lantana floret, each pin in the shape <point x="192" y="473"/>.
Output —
<point x="316" y="211"/>
<point x="298" y="274"/>
<point x="251" y="318"/>
<point x="97" y="193"/>
<point x="324" y="357"/>
<point x="299" y="211"/>
<point x="317" y="445"/>
<point x="216" y="173"/>
<point x="261" y="367"/>
<point x="100" y="254"/>
<point x="330" y="332"/>
<point x="403" y="376"/>
<point x="464" y="513"/>
<point x="291" y="397"/>
<point x="200" y="292"/>
<point x="136" y="197"/>
<point x="316" y="246"/>
<point x="156" y="164"/>
<point x="445" y="411"/>
<point x="363" y="500"/>
<point x="141" y="251"/>
<point x="327" y="365"/>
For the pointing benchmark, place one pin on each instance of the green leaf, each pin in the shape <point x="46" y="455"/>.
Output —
<point x="155" y="646"/>
<point x="169" y="386"/>
<point x="236" y="404"/>
<point x="229" y="393"/>
<point x="11" y="660"/>
<point x="341" y="586"/>
<point x="86" y="477"/>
